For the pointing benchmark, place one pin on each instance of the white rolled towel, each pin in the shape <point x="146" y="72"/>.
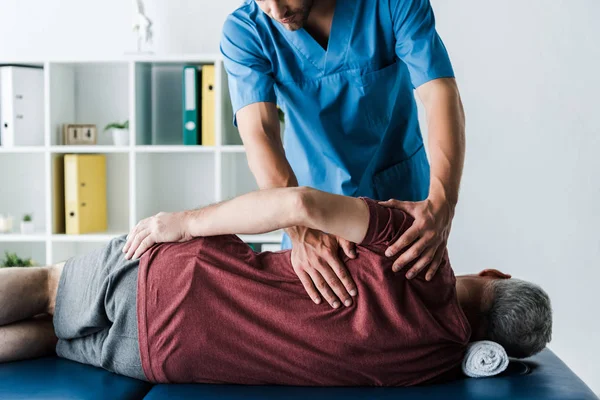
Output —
<point x="484" y="358"/>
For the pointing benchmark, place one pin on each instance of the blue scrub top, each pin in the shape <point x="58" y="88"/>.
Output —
<point x="351" y="118"/>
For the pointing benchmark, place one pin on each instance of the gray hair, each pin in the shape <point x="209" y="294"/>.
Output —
<point x="520" y="318"/>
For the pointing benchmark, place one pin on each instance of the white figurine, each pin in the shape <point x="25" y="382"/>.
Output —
<point x="142" y="25"/>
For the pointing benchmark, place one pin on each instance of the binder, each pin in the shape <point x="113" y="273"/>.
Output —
<point x="166" y="107"/>
<point x="22" y="103"/>
<point x="208" y="105"/>
<point x="58" y="195"/>
<point x="190" y="106"/>
<point x="85" y="193"/>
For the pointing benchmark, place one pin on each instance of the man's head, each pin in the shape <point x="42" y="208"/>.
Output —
<point x="292" y="14"/>
<point x="514" y="313"/>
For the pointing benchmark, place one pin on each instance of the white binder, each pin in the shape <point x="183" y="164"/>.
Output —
<point x="22" y="106"/>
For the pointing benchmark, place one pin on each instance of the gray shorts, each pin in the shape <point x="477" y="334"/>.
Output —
<point x="95" y="318"/>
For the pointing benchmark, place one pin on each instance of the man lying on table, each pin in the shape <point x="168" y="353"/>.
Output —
<point x="204" y="307"/>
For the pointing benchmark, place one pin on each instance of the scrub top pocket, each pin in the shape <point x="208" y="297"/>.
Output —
<point x="377" y="87"/>
<point x="406" y="181"/>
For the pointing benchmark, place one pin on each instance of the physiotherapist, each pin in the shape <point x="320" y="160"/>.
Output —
<point x="344" y="73"/>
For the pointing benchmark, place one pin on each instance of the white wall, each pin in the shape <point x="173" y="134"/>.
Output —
<point x="529" y="73"/>
<point x="529" y="77"/>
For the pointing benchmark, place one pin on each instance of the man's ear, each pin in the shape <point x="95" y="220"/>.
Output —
<point x="494" y="273"/>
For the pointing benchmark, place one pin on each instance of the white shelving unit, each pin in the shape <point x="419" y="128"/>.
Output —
<point x="143" y="179"/>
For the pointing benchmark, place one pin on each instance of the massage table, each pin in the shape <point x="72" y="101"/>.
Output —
<point x="543" y="376"/>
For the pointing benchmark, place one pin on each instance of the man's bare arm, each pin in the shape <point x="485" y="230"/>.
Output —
<point x="279" y="208"/>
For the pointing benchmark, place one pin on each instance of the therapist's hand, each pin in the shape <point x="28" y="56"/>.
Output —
<point x="160" y="228"/>
<point x="315" y="260"/>
<point x="425" y="241"/>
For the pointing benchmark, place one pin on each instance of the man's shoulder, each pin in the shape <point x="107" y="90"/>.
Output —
<point x="248" y="12"/>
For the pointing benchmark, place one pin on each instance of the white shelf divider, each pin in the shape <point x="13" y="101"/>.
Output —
<point x="61" y="149"/>
<point x="174" y="149"/>
<point x="67" y="100"/>
<point x="17" y="237"/>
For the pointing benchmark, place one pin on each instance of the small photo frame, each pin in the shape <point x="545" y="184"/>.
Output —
<point x="79" y="134"/>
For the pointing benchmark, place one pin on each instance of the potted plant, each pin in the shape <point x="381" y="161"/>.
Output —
<point x="120" y="133"/>
<point x="27" y="226"/>
<point x="12" y="260"/>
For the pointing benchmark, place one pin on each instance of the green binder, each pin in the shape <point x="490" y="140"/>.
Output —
<point x="191" y="106"/>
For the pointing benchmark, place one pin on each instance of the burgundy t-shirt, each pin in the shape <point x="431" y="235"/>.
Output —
<point x="212" y="310"/>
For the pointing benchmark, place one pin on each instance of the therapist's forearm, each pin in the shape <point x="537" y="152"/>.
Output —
<point x="446" y="127"/>
<point x="259" y="128"/>
<point x="269" y="165"/>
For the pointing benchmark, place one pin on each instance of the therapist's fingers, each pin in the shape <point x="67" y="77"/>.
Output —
<point x="341" y="275"/>
<point x="423" y="261"/>
<point x="141" y="235"/>
<point x="330" y="269"/>
<point x="436" y="263"/>
<point x="405" y="239"/>
<point x="323" y="287"/>
<point x="411" y="254"/>
<point x="310" y="288"/>
<point x="348" y="247"/>
<point x="392" y="203"/>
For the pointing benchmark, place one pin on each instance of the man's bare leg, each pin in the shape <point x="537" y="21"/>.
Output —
<point x="30" y="338"/>
<point x="27" y="299"/>
<point x="28" y="291"/>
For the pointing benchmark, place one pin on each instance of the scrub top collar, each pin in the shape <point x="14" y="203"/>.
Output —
<point x="326" y="61"/>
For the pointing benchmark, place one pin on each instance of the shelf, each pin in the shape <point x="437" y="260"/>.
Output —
<point x="17" y="237"/>
<point x="233" y="149"/>
<point x="135" y="57"/>
<point x="22" y="149"/>
<point x="174" y="58"/>
<point x="89" y="149"/>
<point x="272" y="237"/>
<point x="174" y="149"/>
<point x="87" y="237"/>
<point x="142" y="178"/>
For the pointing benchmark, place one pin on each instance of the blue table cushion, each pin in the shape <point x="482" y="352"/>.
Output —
<point x="543" y="376"/>
<point x="53" y="378"/>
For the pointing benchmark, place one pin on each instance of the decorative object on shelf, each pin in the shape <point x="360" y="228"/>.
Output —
<point x="27" y="226"/>
<point x="120" y="133"/>
<point x="142" y="26"/>
<point x="13" y="260"/>
<point x="79" y="134"/>
<point x="6" y="223"/>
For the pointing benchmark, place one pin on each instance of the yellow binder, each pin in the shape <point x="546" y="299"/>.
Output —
<point x="85" y="193"/>
<point x="208" y="105"/>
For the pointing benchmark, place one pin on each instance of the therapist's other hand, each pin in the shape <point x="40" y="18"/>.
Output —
<point x="160" y="228"/>
<point x="424" y="243"/>
<point x="315" y="260"/>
